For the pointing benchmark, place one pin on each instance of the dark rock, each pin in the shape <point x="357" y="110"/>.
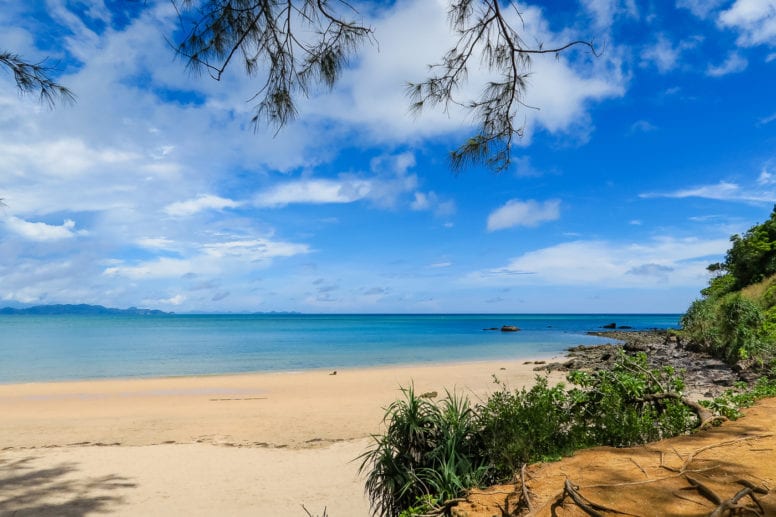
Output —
<point x="610" y="326"/>
<point x="704" y="375"/>
<point x="625" y="327"/>
<point x="635" y="347"/>
<point x="509" y="328"/>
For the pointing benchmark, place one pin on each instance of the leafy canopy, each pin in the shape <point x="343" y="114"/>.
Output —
<point x="736" y="317"/>
<point x="294" y="46"/>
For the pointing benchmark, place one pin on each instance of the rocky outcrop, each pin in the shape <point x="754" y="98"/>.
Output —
<point x="704" y="376"/>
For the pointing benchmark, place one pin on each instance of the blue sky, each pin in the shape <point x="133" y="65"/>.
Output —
<point x="153" y="190"/>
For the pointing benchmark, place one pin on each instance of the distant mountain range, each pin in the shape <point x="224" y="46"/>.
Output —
<point x="82" y="309"/>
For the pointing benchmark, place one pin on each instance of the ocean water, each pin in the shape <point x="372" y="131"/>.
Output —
<point x="48" y="348"/>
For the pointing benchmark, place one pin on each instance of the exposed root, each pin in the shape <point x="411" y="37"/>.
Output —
<point x="586" y="505"/>
<point x="733" y="505"/>
<point x="524" y="490"/>
<point x="692" y="455"/>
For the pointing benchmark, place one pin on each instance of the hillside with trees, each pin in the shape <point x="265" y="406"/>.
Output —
<point x="735" y="319"/>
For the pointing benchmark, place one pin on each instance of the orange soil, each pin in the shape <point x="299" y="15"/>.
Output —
<point x="653" y="479"/>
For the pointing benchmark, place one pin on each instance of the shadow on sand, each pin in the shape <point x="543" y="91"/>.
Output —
<point x="27" y="490"/>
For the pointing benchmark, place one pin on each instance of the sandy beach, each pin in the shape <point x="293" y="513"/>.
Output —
<point x="254" y="444"/>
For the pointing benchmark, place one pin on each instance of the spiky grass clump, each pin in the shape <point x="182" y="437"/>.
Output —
<point x="430" y="452"/>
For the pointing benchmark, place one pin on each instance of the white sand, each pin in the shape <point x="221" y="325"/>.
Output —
<point x="258" y="444"/>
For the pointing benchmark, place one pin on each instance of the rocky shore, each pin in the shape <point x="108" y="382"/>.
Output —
<point x="705" y="376"/>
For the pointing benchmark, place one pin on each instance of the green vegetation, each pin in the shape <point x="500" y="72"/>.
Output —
<point x="736" y="317"/>
<point x="432" y="452"/>
<point x="741" y="396"/>
<point x="428" y="449"/>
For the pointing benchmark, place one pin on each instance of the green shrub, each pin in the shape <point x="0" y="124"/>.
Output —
<point x="434" y="451"/>
<point x="700" y="323"/>
<point x="741" y="396"/>
<point x="627" y="404"/>
<point x="741" y="326"/>
<point x="527" y="425"/>
<point x="429" y="452"/>
<point x="719" y="285"/>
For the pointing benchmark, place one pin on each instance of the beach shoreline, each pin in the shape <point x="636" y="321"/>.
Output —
<point x="238" y="444"/>
<point x="268" y="409"/>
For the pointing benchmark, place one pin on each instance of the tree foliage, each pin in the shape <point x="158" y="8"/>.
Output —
<point x="292" y="44"/>
<point x="297" y="44"/>
<point x="35" y="77"/>
<point x="752" y="256"/>
<point x="485" y="36"/>
<point x="736" y="317"/>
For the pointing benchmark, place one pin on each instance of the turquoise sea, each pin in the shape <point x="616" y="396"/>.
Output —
<point x="46" y="348"/>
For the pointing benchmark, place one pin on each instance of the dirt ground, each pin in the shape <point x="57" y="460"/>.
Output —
<point x="688" y="475"/>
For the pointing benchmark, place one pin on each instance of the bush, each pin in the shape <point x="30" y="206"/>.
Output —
<point x="527" y="425"/>
<point x="429" y="452"/>
<point x="700" y="324"/>
<point x="628" y="404"/>
<point x="432" y="452"/>
<point x="742" y="396"/>
<point x="741" y="326"/>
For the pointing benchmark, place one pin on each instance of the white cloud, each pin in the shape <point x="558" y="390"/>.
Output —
<point x="61" y="157"/>
<point x="155" y="243"/>
<point x="211" y="259"/>
<point x="766" y="178"/>
<point x="38" y="231"/>
<point x="662" y="262"/>
<point x="755" y="21"/>
<point x="642" y="126"/>
<point x="733" y="64"/>
<point x="319" y="191"/>
<point x="431" y="201"/>
<point x="174" y="300"/>
<point x="700" y="8"/>
<point x="255" y="250"/>
<point x="387" y="180"/>
<point x="722" y="191"/>
<point x="159" y="268"/>
<point x="203" y="202"/>
<point x="663" y="54"/>
<point x="767" y="120"/>
<point x="415" y="34"/>
<point x="605" y="12"/>
<point x="523" y="213"/>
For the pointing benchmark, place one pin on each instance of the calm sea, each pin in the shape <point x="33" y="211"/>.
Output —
<point x="46" y="348"/>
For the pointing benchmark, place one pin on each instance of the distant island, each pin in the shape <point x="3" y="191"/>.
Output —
<point x="82" y="309"/>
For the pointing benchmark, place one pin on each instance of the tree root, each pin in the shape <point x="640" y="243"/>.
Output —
<point x="694" y="453"/>
<point x="733" y="505"/>
<point x="524" y="490"/>
<point x="585" y="504"/>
